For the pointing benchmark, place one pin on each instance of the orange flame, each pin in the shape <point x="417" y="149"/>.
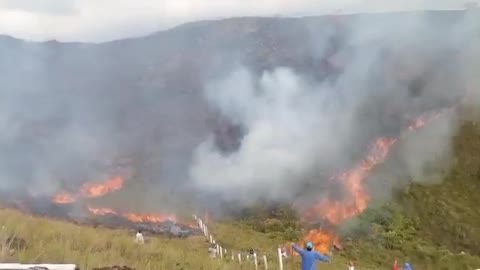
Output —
<point x="101" y="211"/>
<point x="91" y="190"/>
<point x="147" y="218"/>
<point x="64" y="198"/>
<point x="321" y="240"/>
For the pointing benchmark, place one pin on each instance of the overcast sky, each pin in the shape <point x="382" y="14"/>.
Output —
<point x="102" y="20"/>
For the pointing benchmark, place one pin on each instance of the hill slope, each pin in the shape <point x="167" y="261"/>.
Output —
<point x="72" y="112"/>
<point x="434" y="224"/>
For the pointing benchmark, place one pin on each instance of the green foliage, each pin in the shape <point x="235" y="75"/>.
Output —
<point x="279" y="221"/>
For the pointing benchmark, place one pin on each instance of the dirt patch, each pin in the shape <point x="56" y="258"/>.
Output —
<point x="115" y="267"/>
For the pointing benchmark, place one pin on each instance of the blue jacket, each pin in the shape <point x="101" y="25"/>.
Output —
<point x="309" y="258"/>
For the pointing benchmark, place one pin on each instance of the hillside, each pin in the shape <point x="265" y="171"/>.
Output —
<point x="274" y="125"/>
<point x="427" y="224"/>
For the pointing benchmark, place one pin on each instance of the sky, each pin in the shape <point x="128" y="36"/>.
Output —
<point x="104" y="20"/>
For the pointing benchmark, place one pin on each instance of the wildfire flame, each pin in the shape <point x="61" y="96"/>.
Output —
<point x="147" y="218"/>
<point x="64" y="198"/>
<point x="91" y="190"/>
<point x="337" y="211"/>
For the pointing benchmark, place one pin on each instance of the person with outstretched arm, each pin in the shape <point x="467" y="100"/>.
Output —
<point x="310" y="256"/>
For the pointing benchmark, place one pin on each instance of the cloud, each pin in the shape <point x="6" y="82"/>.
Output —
<point x="93" y="20"/>
<point x="48" y="7"/>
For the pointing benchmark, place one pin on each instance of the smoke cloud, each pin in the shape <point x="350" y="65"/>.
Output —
<point x="299" y="130"/>
<point x="241" y="109"/>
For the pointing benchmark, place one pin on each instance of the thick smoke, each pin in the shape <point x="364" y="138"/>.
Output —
<point x="299" y="130"/>
<point x="74" y="113"/>
<point x="287" y="102"/>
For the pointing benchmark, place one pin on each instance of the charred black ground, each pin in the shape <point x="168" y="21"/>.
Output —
<point x="78" y="213"/>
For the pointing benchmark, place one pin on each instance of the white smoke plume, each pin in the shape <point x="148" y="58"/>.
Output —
<point x="295" y="126"/>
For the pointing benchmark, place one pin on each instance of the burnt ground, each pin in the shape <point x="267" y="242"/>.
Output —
<point x="78" y="214"/>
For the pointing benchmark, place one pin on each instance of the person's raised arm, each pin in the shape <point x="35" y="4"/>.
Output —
<point x="322" y="257"/>
<point x="298" y="249"/>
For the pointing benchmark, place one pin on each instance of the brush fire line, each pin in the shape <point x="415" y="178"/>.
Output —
<point x="334" y="212"/>
<point x="91" y="190"/>
<point x="72" y="207"/>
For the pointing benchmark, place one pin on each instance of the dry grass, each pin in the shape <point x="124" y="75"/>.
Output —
<point x="58" y="242"/>
<point x="50" y="241"/>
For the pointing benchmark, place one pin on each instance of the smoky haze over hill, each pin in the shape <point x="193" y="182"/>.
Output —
<point x="241" y="109"/>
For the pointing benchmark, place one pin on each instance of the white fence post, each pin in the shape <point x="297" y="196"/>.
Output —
<point x="239" y="257"/>
<point x="280" y="259"/>
<point x="233" y="257"/>
<point x="221" y="252"/>
<point x="211" y="239"/>
<point x="255" y="260"/>
<point x="265" y="262"/>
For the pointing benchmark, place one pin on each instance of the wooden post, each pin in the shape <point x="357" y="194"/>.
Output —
<point x="211" y="239"/>
<point x="280" y="259"/>
<point x="233" y="257"/>
<point x="265" y="262"/>
<point x="255" y="260"/>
